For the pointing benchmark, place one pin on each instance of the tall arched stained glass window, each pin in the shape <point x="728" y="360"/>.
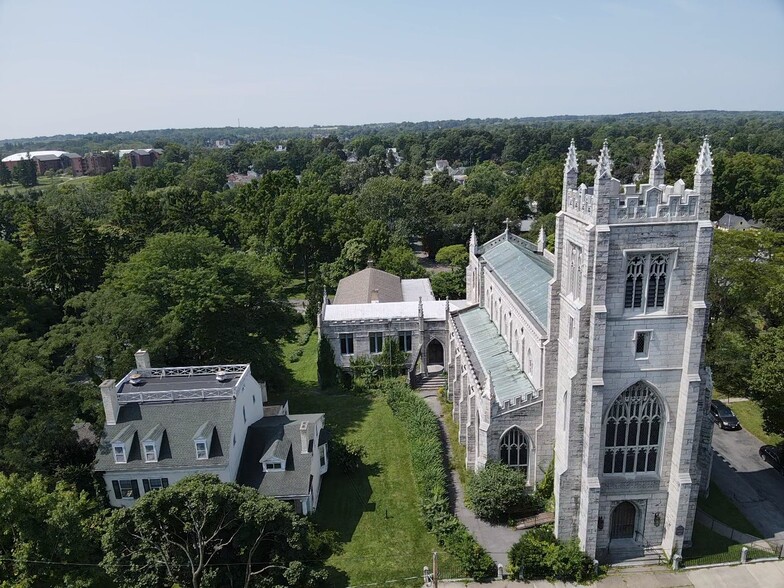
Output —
<point x="514" y="449"/>
<point x="633" y="431"/>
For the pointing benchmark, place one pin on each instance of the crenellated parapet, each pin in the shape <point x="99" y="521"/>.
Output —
<point x="610" y="202"/>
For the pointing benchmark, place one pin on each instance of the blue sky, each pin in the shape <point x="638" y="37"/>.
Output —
<point x="105" y="65"/>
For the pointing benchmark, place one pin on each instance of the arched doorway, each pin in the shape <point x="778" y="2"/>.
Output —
<point x="623" y="521"/>
<point x="435" y="356"/>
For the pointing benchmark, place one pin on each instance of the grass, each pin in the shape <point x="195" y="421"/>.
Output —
<point x="295" y="289"/>
<point x="375" y="511"/>
<point x="724" y="510"/>
<point x="711" y="548"/>
<point x="750" y="416"/>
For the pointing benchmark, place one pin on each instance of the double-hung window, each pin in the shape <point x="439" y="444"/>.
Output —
<point x="119" y="454"/>
<point x="347" y="343"/>
<point x="376" y="342"/>
<point x="150" y="454"/>
<point x="646" y="281"/>
<point x="201" y="450"/>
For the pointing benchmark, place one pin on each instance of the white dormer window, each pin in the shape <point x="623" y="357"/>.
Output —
<point x="150" y="453"/>
<point x="201" y="450"/>
<point x="273" y="465"/>
<point x="119" y="454"/>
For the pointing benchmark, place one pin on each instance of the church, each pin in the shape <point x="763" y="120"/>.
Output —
<point x="592" y="360"/>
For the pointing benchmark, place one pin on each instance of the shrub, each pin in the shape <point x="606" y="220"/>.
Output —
<point x="544" y="494"/>
<point x="539" y="555"/>
<point x="329" y="373"/>
<point x="345" y="455"/>
<point x="427" y="456"/>
<point x="496" y="492"/>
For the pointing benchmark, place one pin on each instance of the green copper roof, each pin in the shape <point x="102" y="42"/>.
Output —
<point x="488" y="348"/>
<point x="526" y="273"/>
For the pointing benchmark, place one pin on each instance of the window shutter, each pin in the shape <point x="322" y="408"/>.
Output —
<point x="146" y="485"/>
<point x="135" y="487"/>
<point x="165" y="482"/>
<point x="116" y="487"/>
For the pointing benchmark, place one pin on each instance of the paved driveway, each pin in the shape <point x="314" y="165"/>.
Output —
<point x="755" y="487"/>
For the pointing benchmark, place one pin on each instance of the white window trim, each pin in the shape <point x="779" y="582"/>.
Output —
<point x="196" y="444"/>
<point x="146" y="446"/>
<point x="122" y="492"/>
<point x="273" y="465"/>
<point x="124" y="458"/>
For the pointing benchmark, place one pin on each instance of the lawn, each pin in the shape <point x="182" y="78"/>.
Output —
<point x="723" y="509"/>
<point x="711" y="548"/>
<point x="375" y="511"/>
<point x="457" y="460"/>
<point x="750" y="417"/>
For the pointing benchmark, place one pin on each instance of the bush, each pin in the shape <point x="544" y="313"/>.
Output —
<point x="345" y="455"/>
<point x="329" y="374"/>
<point x="539" y="555"/>
<point x="427" y="456"/>
<point x="544" y="494"/>
<point x="496" y="492"/>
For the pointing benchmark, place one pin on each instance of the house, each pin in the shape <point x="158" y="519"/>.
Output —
<point x="141" y="157"/>
<point x="163" y="424"/>
<point x="371" y="306"/>
<point x="96" y="164"/>
<point x="47" y="161"/>
<point x="458" y="174"/>
<point x="733" y="222"/>
<point x="592" y="358"/>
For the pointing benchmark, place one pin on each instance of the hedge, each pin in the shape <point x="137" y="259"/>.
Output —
<point x="427" y="457"/>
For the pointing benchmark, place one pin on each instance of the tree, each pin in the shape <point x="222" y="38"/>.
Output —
<point x="56" y="525"/>
<point x="455" y="256"/>
<point x="5" y="174"/>
<point x="202" y="532"/>
<point x="449" y="284"/>
<point x="767" y="373"/>
<point x="189" y="300"/>
<point x="496" y="492"/>
<point x="402" y="262"/>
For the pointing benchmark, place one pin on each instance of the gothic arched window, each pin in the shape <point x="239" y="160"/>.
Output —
<point x="633" y="431"/>
<point x="657" y="282"/>
<point x="634" y="279"/>
<point x="514" y="449"/>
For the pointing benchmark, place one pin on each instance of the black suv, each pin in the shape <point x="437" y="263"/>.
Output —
<point x="723" y="416"/>
<point x="773" y="456"/>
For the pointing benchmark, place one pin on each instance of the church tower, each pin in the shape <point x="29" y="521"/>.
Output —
<point x="627" y="306"/>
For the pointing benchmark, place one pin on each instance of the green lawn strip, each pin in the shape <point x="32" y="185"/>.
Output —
<point x="750" y="416"/>
<point x="724" y="510"/>
<point x="709" y="547"/>
<point x="376" y="510"/>
<point x="295" y="289"/>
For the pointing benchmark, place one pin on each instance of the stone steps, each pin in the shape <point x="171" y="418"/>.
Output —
<point x="625" y="557"/>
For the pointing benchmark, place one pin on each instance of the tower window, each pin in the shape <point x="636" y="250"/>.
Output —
<point x="632" y="431"/>
<point x="641" y="341"/>
<point x="646" y="273"/>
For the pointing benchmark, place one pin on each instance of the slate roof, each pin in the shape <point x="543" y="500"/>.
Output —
<point x="279" y="436"/>
<point x="489" y="354"/>
<point x="358" y="288"/>
<point x="181" y="421"/>
<point x="525" y="273"/>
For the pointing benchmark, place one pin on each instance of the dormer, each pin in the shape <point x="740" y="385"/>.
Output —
<point x="151" y="444"/>
<point x="274" y="458"/>
<point x="202" y="440"/>
<point x="121" y="444"/>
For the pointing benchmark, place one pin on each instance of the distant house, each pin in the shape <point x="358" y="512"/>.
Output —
<point x="47" y="161"/>
<point x="163" y="424"/>
<point x="96" y="164"/>
<point x="372" y="305"/>
<point x="458" y="174"/>
<point x="141" y="157"/>
<point x="236" y="179"/>
<point x="733" y="222"/>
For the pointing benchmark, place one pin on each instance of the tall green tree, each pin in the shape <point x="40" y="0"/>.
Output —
<point x="202" y="532"/>
<point x="5" y="174"/>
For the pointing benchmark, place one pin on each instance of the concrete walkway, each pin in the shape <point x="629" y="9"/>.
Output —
<point x="496" y="539"/>
<point x="768" y="574"/>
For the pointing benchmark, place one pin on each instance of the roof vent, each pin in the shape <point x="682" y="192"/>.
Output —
<point x="136" y="379"/>
<point x="222" y="376"/>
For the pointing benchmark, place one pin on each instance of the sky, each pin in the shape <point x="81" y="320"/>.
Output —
<point x="107" y="66"/>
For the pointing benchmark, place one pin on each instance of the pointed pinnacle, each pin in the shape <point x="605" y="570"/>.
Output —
<point x="657" y="161"/>
<point x="571" y="159"/>
<point x="705" y="160"/>
<point x="604" y="168"/>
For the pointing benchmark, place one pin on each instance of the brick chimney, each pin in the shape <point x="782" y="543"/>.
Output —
<point x="111" y="405"/>
<point x="142" y="359"/>
<point x="303" y="436"/>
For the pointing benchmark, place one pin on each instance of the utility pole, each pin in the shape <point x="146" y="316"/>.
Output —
<point x="435" y="569"/>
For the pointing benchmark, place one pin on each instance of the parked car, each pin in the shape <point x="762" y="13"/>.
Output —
<point x="773" y="456"/>
<point x="723" y="416"/>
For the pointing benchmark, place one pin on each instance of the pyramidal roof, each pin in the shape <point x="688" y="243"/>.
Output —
<point x="571" y="158"/>
<point x="704" y="161"/>
<point x="657" y="162"/>
<point x="604" y="168"/>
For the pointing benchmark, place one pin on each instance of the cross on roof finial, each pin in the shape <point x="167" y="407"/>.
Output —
<point x="507" y="222"/>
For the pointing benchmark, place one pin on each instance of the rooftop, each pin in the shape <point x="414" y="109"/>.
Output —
<point x="526" y="273"/>
<point x="489" y="354"/>
<point x="181" y="383"/>
<point x="369" y="285"/>
<point x="31" y="154"/>
<point x="433" y="310"/>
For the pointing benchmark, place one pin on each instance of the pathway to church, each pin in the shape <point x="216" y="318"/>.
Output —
<point x="496" y="539"/>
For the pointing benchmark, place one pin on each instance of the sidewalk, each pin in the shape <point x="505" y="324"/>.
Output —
<point x="496" y="539"/>
<point x="768" y="574"/>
